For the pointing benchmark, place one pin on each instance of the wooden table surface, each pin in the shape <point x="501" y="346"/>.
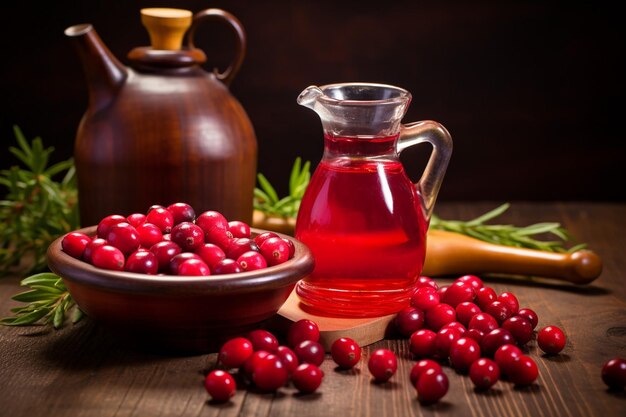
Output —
<point x="82" y="370"/>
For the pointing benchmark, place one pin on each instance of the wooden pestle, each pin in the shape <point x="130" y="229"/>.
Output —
<point x="450" y="253"/>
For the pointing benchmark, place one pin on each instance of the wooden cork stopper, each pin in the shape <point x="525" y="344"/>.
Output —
<point x="166" y="27"/>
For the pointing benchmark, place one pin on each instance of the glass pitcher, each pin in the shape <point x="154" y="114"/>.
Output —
<point x="361" y="216"/>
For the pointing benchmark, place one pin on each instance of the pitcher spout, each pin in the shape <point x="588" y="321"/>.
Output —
<point x="309" y="96"/>
<point x="104" y="73"/>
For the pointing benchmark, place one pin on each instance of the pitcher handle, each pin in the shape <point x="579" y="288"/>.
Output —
<point x="437" y="135"/>
<point x="218" y="14"/>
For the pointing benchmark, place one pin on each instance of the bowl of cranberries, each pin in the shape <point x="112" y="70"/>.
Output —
<point x="174" y="279"/>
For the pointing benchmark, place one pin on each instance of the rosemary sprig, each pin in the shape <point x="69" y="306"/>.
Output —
<point x="37" y="209"/>
<point x="266" y="198"/>
<point x="48" y="303"/>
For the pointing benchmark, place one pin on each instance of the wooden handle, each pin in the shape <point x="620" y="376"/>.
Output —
<point x="450" y="253"/>
<point x="166" y="27"/>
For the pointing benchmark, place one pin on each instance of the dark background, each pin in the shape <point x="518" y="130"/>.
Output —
<point x="531" y="91"/>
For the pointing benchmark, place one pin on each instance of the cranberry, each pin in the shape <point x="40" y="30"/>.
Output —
<point x="259" y="239"/>
<point x="269" y="373"/>
<point x="149" y="234"/>
<point x="510" y="301"/>
<point x="164" y="252"/>
<point x="422" y="366"/>
<point x="142" y="262"/>
<point x="235" y="352"/>
<point x="551" y="339"/>
<point x="465" y="311"/>
<point x="239" y="246"/>
<point x="251" y="363"/>
<point x="218" y="237"/>
<point x="485" y="296"/>
<point x="442" y="290"/>
<point x="154" y="207"/>
<point x="426" y="282"/>
<point x="425" y="298"/>
<point x="494" y="339"/>
<point x="455" y="325"/>
<point x="211" y="254"/>
<point x="302" y="330"/>
<point x="614" y="373"/>
<point x="136" y="219"/>
<point x="530" y="315"/>
<point x="227" y="266"/>
<point x="483" y="322"/>
<point x="422" y="343"/>
<point x="251" y="261"/>
<point x="288" y="357"/>
<point x="108" y="257"/>
<point x="409" y="320"/>
<point x="275" y="251"/>
<point x="91" y="247"/>
<point x="498" y="310"/>
<point x="74" y="244"/>
<point x="181" y="212"/>
<point x="263" y="340"/>
<point x="124" y="237"/>
<point x="484" y="373"/>
<point x="307" y="378"/>
<point x="475" y="334"/>
<point x="463" y="353"/>
<point x="520" y="328"/>
<point x="431" y="386"/>
<point x="458" y="293"/>
<point x="161" y="218"/>
<point x="309" y="351"/>
<point x="177" y="260"/>
<point x="505" y="355"/>
<point x="211" y="221"/>
<point x="446" y="337"/>
<point x="239" y="229"/>
<point x="220" y="385"/>
<point x="382" y="364"/>
<point x="292" y="247"/>
<point x="440" y="315"/>
<point x="522" y="370"/>
<point x="194" y="268"/>
<point x="105" y="224"/>
<point x="345" y="352"/>
<point x="188" y="236"/>
<point x="473" y="280"/>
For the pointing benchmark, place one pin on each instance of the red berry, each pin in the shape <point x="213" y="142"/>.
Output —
<point x="181" y="212"/>
<point x="505" y="355"/>
<point x="431" y="386"/>
<point x="522" y="371"/>
<point x="446" y="337"/>
<point x="422" y="343"/>
<point x="259" y="239"/>
<point x="614" y="373"/>
<point x="142" y="262"/>
<point x="422" y="366"/>
<point x="177" y="260"/>
<point x="465" y="311"/>
<point x="458" y="293"/>
<point x="235" y="352"/>
<point x="494" y="339"/>
<point x="269" y="373"/>
<point x="425" y="298"/>
<point x="105" y="224"/>
<point x="263" y="340"/>
<point x="302" y="330"/>
<point x="307" y="378"/>
<point x="239" y="229"/>
<point x="251" y="261"/>
<point x="194" y="268"/>
<point x="220" y="385"/>
<point x="149" y="235"/>
<point x="530" y="315"/>
<point x="210" y="220"/>
<point x="551" y="339"/>
<point x="288" y="357"/>
<point x="463" y="353"/>
<point x="218" y="237"/>
<point x="485" y="296"/>
<point x="382" y="364"/>
<point x="124" y="237"/>
<point x="345" y="352"/>
<point x="136" y="219"/>
<point x="498" y="310"/>
<point x="154" y="207"/>
<point x="211" y="254"/>
<point x="473" y="280"/>
<point x="442" y="290"/>
<point x="251" y="363"/>
<point x="91" y="247"/>
<point x="164" y="252"/>
<point x="275" y="251"/>
<point x="227" y="266"/>
<point x="74" y="244"/>
<point x="239" y="246"/>
<point x="409" y="320"/>
<point x="456" y="325"/>
<point x="484" y="373"/>
<point x="309" y="351"/>
<point x="188" y="236"/>
<point x="108" y="257"/>
<point x="161" y="218"/>
<point x="440" y="315"/>
<point x="520" y="328"/>
<point x="475" y="334"/>
<point x="483" y="322"/>
<point x="426" y="282"/>
<point x="291" y="246"/>
<point x="510" y="301"/>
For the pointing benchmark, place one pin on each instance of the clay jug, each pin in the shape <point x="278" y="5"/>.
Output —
<point x="163" y="130"/>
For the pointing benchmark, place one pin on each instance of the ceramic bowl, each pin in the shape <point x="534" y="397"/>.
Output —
<point x="175" y="313"/>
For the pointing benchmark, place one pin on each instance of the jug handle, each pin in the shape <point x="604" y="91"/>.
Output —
<point x="218" y="14"/>
<point x="434" y="133"/>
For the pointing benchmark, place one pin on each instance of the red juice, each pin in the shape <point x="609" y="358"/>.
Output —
<point x="362" y="218"/>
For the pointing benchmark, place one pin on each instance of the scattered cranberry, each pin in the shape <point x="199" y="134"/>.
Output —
<point x="498" y="310"/>
<point x="426" y="282"/>
<point x="345" y="352"/>
<point x="530" y="315"/>
<point x="108" y="257"/>
<point x="456" y="325"/>
<point x="307" y="378"/>
<point x="251" y="261"/>
<point x="149" y="234"/>
<point x="485" y="296"/>
<point x="302" y="330"/>
<point x="431" y="386"/>
<point x="181" y="212"/>
<point x="275" y="251"/>
<point x="422" y="366"/>
<point x="484" y="373"/>
<point x="446" y="337"/>
<point x="239" y="229"/>
<point x="458" y="293"/>
<point x="522" y="370"/>
<point x="382" y="365"/>
<point x="422" y="343"/>
<point x="220" y="385"/>
<point x="188" y="236"/>
<point x="288" y="357"/>
<point x="473" y="280"/>
<point x="510" y="301"/>
<point x="551" y="339"/>
<point x="269" y="373"/>
<point x="161" y="218"/>
<point x="439" y="316"/>
<point x="263" y="340"/>
<point x="309" y="351"/>
<point x="505" y="355"/>
<point x="251" y="363"/>
<point x="409" y="320"/>
<point x="463" y="353"/>
<point x="425" y="298"/>
<point x="614" y="373"/>
<point x="465" y="311"/>
<point x="235" y="352"/>
<point x="142" y="262"/>
<point x="124" y="237"/>
<point x="227" y="266"/>
<point x="483" y="322"/>
<point x="442" y="290"/>
<point x="74" y="244"/>
<point x="475" y="334"/>
<point x="194" y="268"/>
<point x="520" y="328"/>
<point x="494" y="339"/>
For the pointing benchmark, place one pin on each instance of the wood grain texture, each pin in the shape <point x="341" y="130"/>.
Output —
<point x="83" y="370"/>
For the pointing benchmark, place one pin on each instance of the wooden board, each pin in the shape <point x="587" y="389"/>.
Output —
<point x="364" y="331"/>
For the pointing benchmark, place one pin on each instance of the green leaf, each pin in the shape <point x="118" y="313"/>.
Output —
<point x="295" y="175"/>
<point x="26" y="319"/>
<point x="267" y="188"/>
